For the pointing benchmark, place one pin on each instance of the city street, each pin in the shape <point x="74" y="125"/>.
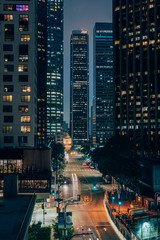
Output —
<point x="89" y="214"/>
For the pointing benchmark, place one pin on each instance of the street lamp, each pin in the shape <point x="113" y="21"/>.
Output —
<point x="119" y="204"/>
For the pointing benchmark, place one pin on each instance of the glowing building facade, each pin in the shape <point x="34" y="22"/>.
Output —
<point x="137" y="69"/>
<point x="79" y="88"/>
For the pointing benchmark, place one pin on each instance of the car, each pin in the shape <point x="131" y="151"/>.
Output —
<point x="66" y="180"/>
<point x="91" y="166"/>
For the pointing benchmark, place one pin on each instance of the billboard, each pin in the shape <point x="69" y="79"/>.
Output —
<point x="61" y="220"/>
<point x="69" y="219"/>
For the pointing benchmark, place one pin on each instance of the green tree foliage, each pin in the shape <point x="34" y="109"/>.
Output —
<point x="36" y="232"/>
<point x="57" y="155"/>
<point x="58" y="231"/>
<point x="116" y="159"/>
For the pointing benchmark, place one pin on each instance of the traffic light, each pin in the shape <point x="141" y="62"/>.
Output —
<point x="94" y="186"/>
<point x="53" y="193"/>
<point x="42" y="205"/>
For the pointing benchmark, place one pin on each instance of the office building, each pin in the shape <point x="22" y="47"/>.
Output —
<point x="55" y="70"/>
<point x="79" y="88"/>
<point x="103" y="83"/>
<point x="18" y="79"/>
<point x="41" y="71"/>
<point x="137" y="70"/>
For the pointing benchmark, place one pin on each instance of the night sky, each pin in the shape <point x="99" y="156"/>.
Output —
<point x="81" y="14"/>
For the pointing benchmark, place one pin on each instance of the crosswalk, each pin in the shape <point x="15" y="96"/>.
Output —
<point x="77" y="170"/>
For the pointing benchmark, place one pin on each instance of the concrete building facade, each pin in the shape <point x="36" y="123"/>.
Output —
<point x="18" y="75"/>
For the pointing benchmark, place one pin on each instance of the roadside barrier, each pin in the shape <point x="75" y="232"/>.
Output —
<point x="123" y="233"/>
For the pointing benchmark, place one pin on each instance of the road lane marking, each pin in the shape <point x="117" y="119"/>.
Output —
<point x="97" y="232"/>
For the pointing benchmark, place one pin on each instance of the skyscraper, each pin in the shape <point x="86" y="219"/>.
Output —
<point x="55" y="70"/>
<point x="79" y="88"/>
<point x="18" y="79"/>
<point x="103" y="83"/>
<point x="41" y="71"/>
<point x="137" y="69"/>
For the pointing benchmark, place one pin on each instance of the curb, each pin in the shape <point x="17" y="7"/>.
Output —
<point x="119" y="234"/>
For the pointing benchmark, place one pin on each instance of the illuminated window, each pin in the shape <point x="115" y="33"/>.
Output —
<point x="25" y="98"/>
<point x="23" y="58"/>
<point x="8" y="88"/>
<point x="22" y="68"/>
<point x="25" y="38"/>
<point x="7" y="129"/>
<point x="22" y="7"/>
<point x="6" y="17"/>
<point x="7" y="98"/>
<point x="8" y="57"/>
<point x="23" y="22"/>
<point x="25" y="119"/>
<point x="25" y="129"/>
<point x="8" y="7"/>
<point x="23" y="108"/>
<point x="26" y="88"/>
<point x="9" y="32"/>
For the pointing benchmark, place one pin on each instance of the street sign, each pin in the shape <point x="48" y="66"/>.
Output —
<point x="58" y="199"/>
<point x="41" y="200"/>
<point x="61" y="219"/>
<point x="86" y="198"/>
<point x="69" y="219"/>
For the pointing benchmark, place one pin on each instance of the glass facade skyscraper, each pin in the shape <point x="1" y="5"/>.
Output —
<point x="79" y="88"/>
<point x="137" y="69"/>
<point x="41" y="71"/>
<point x="102" y="83"/>
<point x="55" y="70"/>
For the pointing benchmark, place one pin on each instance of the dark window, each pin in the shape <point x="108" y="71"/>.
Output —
<point x="23" y="49"/>
<point x="8" y="57"/>
<point x="23" y="22"/>
<point x="7" y="47"/>
<point x="8" y="139"/>
<point x="8" y="88"/>
<point x="8" y="68"/>
<point x="7" y="78"/>
<point x="7" y="108"/>
<point x="22" y="139"/>
<point x="23" y="78"/>
<point x="9" y="32"/>
<point x="8" y="119"/>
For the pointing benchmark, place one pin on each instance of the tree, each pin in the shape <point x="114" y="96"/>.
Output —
<point x="116" y="159"/>
<point x="58" y="232"/>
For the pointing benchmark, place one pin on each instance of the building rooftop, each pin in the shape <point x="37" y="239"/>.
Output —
<point x="15" y="216"/>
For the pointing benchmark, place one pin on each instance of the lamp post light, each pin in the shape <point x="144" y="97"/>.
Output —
<point x="113" y="198"/>
<point x="119" y="204"/>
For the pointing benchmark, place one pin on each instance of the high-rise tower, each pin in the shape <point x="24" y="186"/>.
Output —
<point x="55" y="70"/>
<point x="41" y="71"/>
<point x="79" y="88"/>
<point x="103" y="83"/>
<point x="18" y="79"/>
<point x="137" y="69"/>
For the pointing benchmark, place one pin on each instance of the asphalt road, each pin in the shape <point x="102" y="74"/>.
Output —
<point x="88" y="216"/>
